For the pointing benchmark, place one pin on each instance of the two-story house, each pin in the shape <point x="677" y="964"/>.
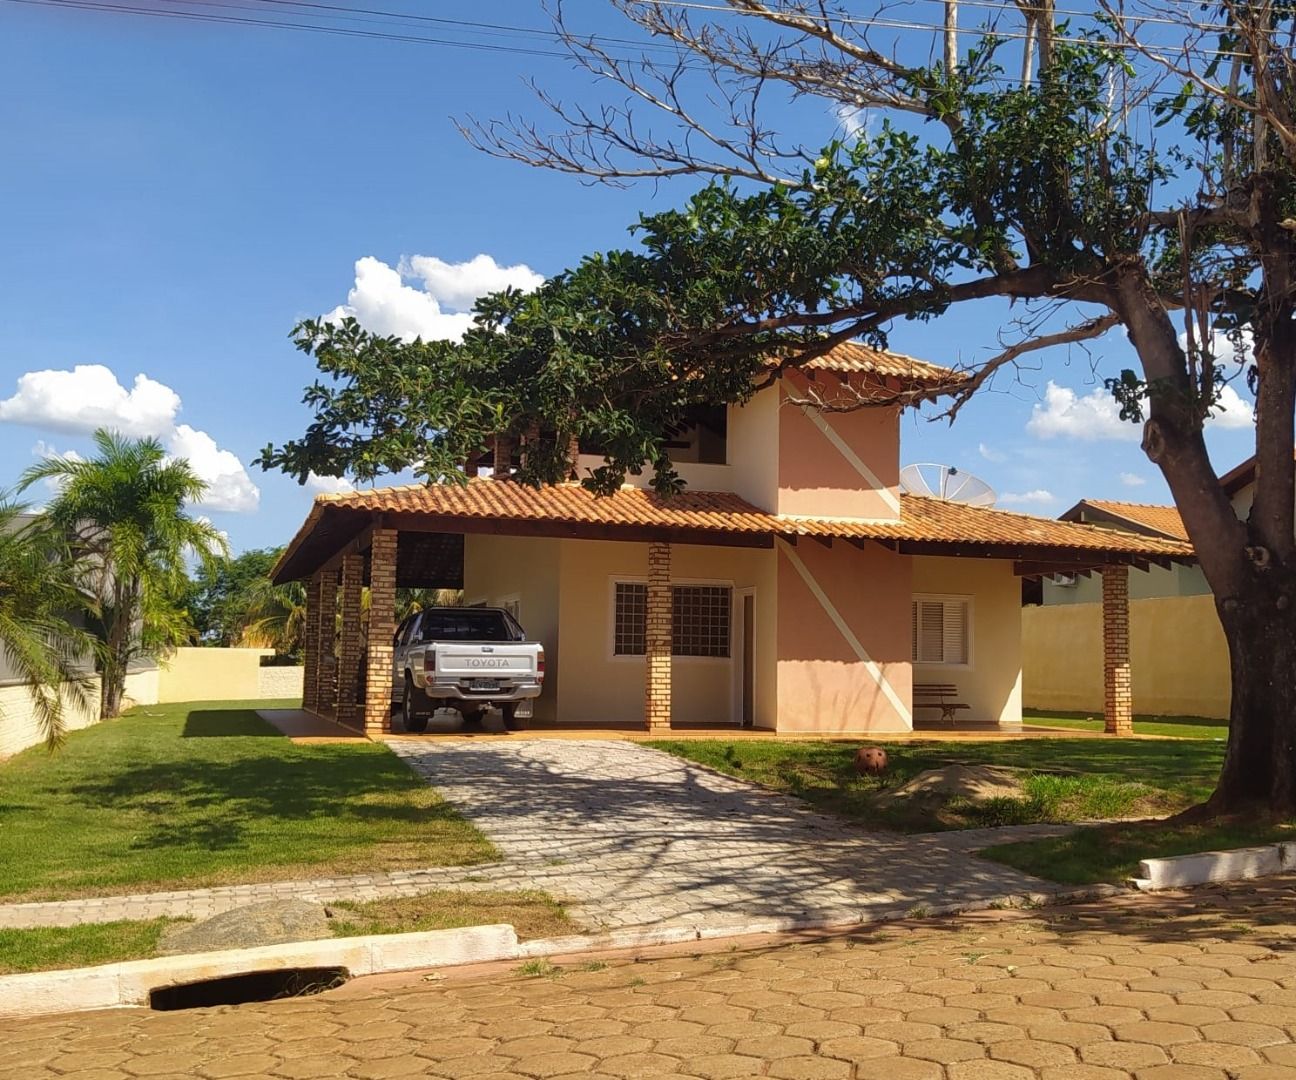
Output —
<point x="792" y="587"/>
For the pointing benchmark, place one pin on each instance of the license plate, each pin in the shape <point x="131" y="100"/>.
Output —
<point x="483" y="684"/>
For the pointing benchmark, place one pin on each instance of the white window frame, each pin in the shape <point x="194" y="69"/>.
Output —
<point x="632" y="579"/>
<point x="946" y="598"/>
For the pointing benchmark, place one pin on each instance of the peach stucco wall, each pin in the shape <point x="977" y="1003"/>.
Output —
<point x="824" y="684"/>
<point x="844" y="465"/>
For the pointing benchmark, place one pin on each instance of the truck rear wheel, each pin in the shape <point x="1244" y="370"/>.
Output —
<point x="414" y="708"/>
<point x="511" y="720"/>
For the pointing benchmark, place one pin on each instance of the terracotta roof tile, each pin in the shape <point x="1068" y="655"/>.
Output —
<point x="856" y="358"/>
<point x="921" y="518"/>
<point x="1161" y="519"/>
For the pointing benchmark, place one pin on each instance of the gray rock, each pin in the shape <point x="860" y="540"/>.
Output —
<point x="271" y="922"/>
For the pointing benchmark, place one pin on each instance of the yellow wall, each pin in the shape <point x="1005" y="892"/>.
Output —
<point x="526" y="567"/>
<point x="1178" y="658"/>
<point x="754" y="449"/>
<point x="598" y="688"/>
<point x="992" y="683"/>
<point x="199" y="674"/>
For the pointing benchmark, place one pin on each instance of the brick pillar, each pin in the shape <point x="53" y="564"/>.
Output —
<point x="657" y="677"/>
<point x="382" y="625"/>
<point x="326" y="629"/>
<point x="1118" y="695"/>
<point x="502" y="458"/>
<point x="348" y="709"/>
<point x="310" y="645"/>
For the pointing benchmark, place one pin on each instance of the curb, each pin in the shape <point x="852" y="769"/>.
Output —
<point x="130" y="983"/>
<point x="1235" y="864"/>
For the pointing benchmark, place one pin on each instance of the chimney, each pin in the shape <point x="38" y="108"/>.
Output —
<point x="503" y="464"/>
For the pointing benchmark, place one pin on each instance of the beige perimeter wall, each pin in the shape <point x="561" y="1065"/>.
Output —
<point x="199" y="674"/>
<point x="1178" y="657"/>
<point x="19" y="728"/>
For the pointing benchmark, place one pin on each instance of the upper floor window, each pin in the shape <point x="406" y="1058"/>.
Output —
<point x="941" y="629"/>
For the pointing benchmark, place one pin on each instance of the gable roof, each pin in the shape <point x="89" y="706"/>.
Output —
<point x="1240" y="475"/>
<point x="925" y="525"/>
<point x="1139" y="517"/>
<point x="856" y="358"/>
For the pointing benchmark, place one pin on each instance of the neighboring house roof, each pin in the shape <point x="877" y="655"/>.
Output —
<point x="925" y="525"/>
<point x="856" y="358"/>
<point x="1240" y="476"/>
<point x="1139" y="517"/>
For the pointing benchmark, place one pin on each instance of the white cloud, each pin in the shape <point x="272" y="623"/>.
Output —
<point x="1097" y="416"/>
<point x="1226" y="353"/>
<point x="228" y="485"/>
<point x="991" y="454"/>
<point x="1231" y="410"/>
<point x="1037" y="497"/>
<point x="854" y="121"/>
<point x="42" y="449"/>
<point x="383" y="302"/>
<point x="329" y="485"/>
<point x="458" y="285"/>
<point x="90" y="397"/>
<point x="1130" y="479"/>
<point x="1094" y="416"/>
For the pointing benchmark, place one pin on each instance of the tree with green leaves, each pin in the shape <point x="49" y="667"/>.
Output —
<point x="1132" y="171"/>
<point x="219" y="594"/>
<point x="124" y="515"/>
<point x="38" y="598"/>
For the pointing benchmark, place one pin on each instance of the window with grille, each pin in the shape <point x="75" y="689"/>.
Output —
<point x="630" y="629"/>
<point x="940" y="629"/>
<point x="700" y="620"/>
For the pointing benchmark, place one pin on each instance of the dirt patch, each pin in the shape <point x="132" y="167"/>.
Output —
<point x="975" y="783"/>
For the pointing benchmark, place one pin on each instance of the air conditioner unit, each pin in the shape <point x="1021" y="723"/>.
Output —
<point x="1067" y="581"/>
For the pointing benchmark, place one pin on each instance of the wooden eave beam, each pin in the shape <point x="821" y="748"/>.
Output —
<point x="407" y="521"/>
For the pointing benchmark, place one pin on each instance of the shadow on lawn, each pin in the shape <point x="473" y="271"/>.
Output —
<point x="226" y="724"/>
<point x="213" y="799"/>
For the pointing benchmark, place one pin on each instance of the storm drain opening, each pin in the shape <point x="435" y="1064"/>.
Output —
<point x="249" y="987"/>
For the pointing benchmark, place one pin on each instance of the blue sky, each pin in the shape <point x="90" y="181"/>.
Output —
<point x="178" y="194"/>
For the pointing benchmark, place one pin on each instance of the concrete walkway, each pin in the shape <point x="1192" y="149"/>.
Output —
<point x="631" y="836"/>
<point x="1190" y="987"/>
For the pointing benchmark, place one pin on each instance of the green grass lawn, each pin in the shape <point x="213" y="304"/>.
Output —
<point x="531" y="913"/>
<point x="53" y="947"/>
<point x="1112" y="853"/>
<point x="1179" y="727"/>
<point x="207" y="793"/>
<point x="1069" y="780"/>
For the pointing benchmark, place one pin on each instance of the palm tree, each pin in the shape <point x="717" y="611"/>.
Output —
<point x="42" y="647"/>
<point x="273" y="616"/>
<point x="124" y="512"/>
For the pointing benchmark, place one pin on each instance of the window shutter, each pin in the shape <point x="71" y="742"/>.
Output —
<point x="954" y="637"/>
<point x="931" y="630"/>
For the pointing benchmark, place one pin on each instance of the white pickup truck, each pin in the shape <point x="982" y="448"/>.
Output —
<point x="468" y="659"/>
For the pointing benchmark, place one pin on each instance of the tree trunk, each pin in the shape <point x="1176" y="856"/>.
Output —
<point x="1259" y="774"/>
<point x="117" y="653"/>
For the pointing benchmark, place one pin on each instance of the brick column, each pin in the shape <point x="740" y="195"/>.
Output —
<point x="502" y="458"/>
<point x="657" y="676"/>
<point x="326" y="628"/>
<point x="382" y="625"/>
<point x="348" y="708"/>
<point x="310" y="645"/>
<point x="1118" y="695"/>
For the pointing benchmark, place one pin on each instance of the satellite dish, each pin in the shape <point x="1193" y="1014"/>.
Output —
<point x="947" y="483"/>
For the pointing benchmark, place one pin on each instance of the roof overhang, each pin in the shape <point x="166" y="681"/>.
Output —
<point x="339" y="524"/>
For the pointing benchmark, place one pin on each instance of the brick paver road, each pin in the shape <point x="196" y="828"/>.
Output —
<point x="1190" y="987"/>
<point x="634" y="837"/>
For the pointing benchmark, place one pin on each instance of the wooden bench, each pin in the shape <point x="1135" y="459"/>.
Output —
<point x="938" y="696"/>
